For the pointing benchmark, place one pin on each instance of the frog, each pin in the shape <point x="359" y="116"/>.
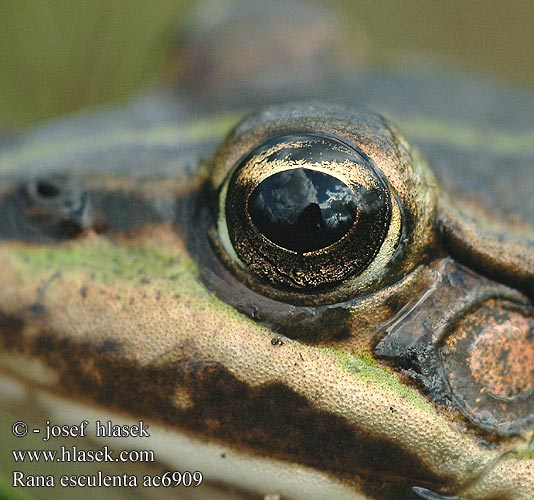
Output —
<point x="300" y="297"/>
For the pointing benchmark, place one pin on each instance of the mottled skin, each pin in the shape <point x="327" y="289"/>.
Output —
<point x="135" y="312"/>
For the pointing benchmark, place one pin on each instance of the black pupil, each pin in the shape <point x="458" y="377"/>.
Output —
<point x="302" y="209"/>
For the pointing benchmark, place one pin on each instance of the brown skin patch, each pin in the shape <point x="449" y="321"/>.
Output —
<point x="11" y="328"/>
<point x="502" y="359"/>
<point x="489" y="365"/>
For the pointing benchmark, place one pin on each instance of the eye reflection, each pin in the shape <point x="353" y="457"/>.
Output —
<point x="302" y="209"/>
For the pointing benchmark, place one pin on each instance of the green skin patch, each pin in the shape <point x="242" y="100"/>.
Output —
<point x="167" y="135"/>
<point x="364" y="366"/>
<point x="466" y="136"/>
<point x="104" y="260"/>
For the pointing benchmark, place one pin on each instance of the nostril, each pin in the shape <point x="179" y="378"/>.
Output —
<point x="47" y="189"/>
<point x="50" y="191"/>
<point x="57" y="205"/>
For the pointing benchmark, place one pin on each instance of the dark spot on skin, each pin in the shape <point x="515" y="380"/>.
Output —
<point x="44" y="344"/>
<point x="277" y="341"/>
<point x="37" y="309"/>
<point x="110" y="347"/>
<point x="223" y="455"/>
<point x="11" y="328"/>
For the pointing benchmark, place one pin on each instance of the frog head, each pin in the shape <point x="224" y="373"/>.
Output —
<point x="308" y="300"/>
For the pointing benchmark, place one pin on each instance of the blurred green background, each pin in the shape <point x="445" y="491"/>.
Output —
<point x="57" y="56"/>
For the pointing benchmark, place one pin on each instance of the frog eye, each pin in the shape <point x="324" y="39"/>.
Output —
<point x="298" y="205"/>
<point x="306" y="212"/>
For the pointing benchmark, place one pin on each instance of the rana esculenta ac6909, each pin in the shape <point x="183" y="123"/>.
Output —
<point x="310" y="308"/>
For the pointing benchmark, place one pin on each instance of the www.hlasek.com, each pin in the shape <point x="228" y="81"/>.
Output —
<point x="75" y="454"/>
<point x="170" y="479"/>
